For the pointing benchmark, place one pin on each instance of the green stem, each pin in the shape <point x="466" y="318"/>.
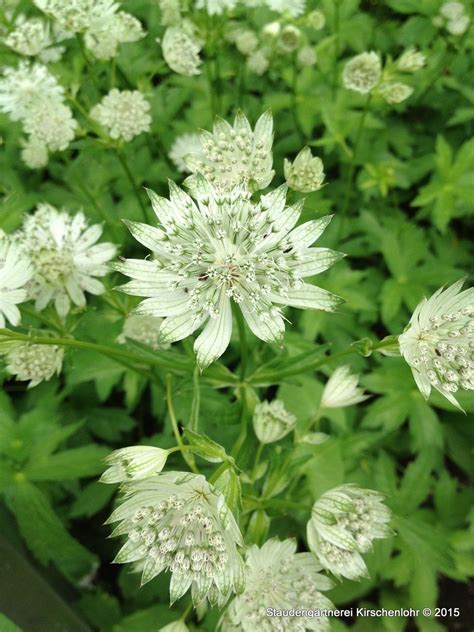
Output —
<point x="220" y="470"/>
<point x="242" y="340"/>
<point x="336" y="48"/>
<point x="352" y="165"/>
<point x="196" y="402"/>
<point x="132" y="181"/>
<point x="174" y="423"/>
<point x="59" y="327"/>
<point x="242" y="374"/>
<point x="257" y="460"/>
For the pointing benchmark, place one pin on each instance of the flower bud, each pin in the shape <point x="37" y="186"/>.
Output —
<point x="289" y="38"/>
<point x="341" y="390"/>
<point x="395" y="92"/>
<point x="272" y="422"/>
<point x="136" y="462"/>
<point x="411" y="60"/>
<point x="305" y="173"/>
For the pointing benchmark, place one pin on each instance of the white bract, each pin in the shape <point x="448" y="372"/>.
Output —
<point x="305" y="173"/>
<point x="344" y="523"/>
<point x="175" y="626"/>
<point x="183" y="146"/>
<point x="271" y="421"/>
<point x="124" y="114"/>
<point x="342" y="390"/>
<point x="223" y="248"/>
<point x="65" y="257"/>
<point x="438" y="343"/>
<point x="362" y="72"/>
<point x="179" y="522"/>
<point x="15" y="272"/>
<point x="278" y="577"/>
<point x="181" y="49"/>
<point x="134" y="463"/>
<point x="235" y="154"/>
<point x="35" y="363"/>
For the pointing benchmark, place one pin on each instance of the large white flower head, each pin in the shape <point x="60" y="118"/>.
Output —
<point x="15" y="272"/>
<point x="124" y="114"/>
<point x="183" y="146"/>
<point x="235" y="154"/>
<point x="181" y="48"/>
<point x="223" y="248"/>
<point x="21" y="88"/>
<point x="344" y="523"/>
<point x="51" y="123"/>
<point x="34" y="363"/>
<point x="271" y="421"/>
<point x="342" y="389"/>
<point x="438" y="343"/>
<point x="215" y="7"/>
<point x="179" y="522"/>
<point x="362" y="72"/>
<point x="65" y="257"/>
<point x="278" y="577"/>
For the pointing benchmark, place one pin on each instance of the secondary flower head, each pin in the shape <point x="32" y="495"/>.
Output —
<point x="362" y="72"/>
<point x="438" y="343"/>
<point x="36" y="363"/>
<point x="342" y="389"/>
<point x="258" y="61"/>
<point x="34" y="153"/>
<point x="143" y="329"/>
<point x="293" y="8"/>
<point x="452" y="10"/>
<point x="307" y="56"/>
<point x="51" y="124"/>
<point x="183" y="146"/>
<point x="179" y="522"/>
<point x="65" y="257"/>
<point x="272" y="422"/>
<point x="235" y="154"/>
<point x="33" y="37"/>
<point x="134" y="463"/>
<point x="395" y="92"/>
<point x="104" y="36"/>
<point x="245" y="40"/>
<point x="278" y="577"/>
<point x="344" y="523"/>
<point x="181" y="48"/>
<point x="15" y="272"/>
<point x="411" y="60"/>
<point x="316" y="20"/>
<point x="78" y="15"/>
<point x="223" y="248"/>
<point x="124" y="114"/>
<point x="305" y="173"/>
<point x="215" y="7"/>
<point x="289" y="39"/>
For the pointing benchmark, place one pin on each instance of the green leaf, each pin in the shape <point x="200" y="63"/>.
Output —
<point x="92" y="498"/>
<point x="7" y="625"/>
<point x="416" y="483"/>
<point x="69" y="464"/>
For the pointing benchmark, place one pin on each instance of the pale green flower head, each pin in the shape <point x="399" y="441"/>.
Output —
<point x="411" y="60"/>
<point x="290" y="37"/>
<point x="180" y="523"/>
<point x="123" y="113"/>
<point x="222" y="248"/>
<point x="307" y="56"/>
<point x="438" y="342"/>
<point x="305" y="173"/>
<point x="235" y="155"/>
<point x="344" y="523"/>
<point x="215" y="7"/>
<point x="34" y="153"/>
<point x="142" y="329"/>
<point x="34" y="363"/>
<point x="15" y="272"/>
<point x="362" y="72"/>
<point x="316" y="20"/>
<point x="134" y="463"/>
<point x="272" y="422"/>
<point x="181" y="48"/>
<point x="395" y="92"/>
<point x="259" y="61"/>
<point x="278" y="577"/>
<point x="342" y="390"/>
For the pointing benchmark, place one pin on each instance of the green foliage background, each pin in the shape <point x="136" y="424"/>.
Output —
<point x="407" y="232"/>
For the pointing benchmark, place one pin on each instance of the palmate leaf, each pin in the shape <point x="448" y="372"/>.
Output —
<point x="7" y="625"/>
<point x="68" y="464"/>
<point x="44" y="533"/>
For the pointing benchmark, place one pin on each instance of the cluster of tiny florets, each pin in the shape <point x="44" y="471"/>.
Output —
<point x="124" y="114"/>
<point x="34" y="363"/>
<point x="142" y="329"/>
<point x="305" y="173"/>
<point x="362" y="73"/>
<point x="453" y="16"/>
<point x="34" y="37"/>
<point x="181" y="47"/>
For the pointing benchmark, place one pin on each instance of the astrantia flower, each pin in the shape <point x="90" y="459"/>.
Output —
<point x="305" y="173"/>
<point x="15" y="272"/>
<point x="170" y="12"/>
<point x="316" y="20"/>
<point x="395" y="92"/>
<point x="411" y="60"/>
<point x="362" y="72"/>
<point x="32" y="37"/>
<point x="278" y="577"/>
<point x="183" y="146"/>
<point x="181" y="49"/>
<point x="134" y="463"/>
<point x="344" y="523"/>
<point x="223" y="248"/>
<point x="235" y="155"/>
<point x="293" y="8"/>
<point x="246" y="41"/>
<point x="438" y="343"/>
<point x="342" y="389"/>
<point x="78" y="15"/>
<point x="51" y="124"/>
<point x="452" y="10"/>
<point x="34" y="153"/>
<point x="179" y="522"/>
<point x="458" y="26"/>
<point x="306" y="56"/>
<point x="36" y="363"/>
<point x="271" y="421"/>
<point x="143" y="329"/>
<point x="65" y="257"/>
<point x="103" y="37"/>
<point x="124" y="113"/>
<point x="289" y="38"/>
<point x="215" y="7"/>
<point x="258" y="62"/>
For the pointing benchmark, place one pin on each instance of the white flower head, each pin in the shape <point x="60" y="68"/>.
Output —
<point x="344" y="523"/>
<point x="235" y="154"/>
<point x="258" y="62"/>
<point x="278" y="577"/>
<point x="411" y="60"/>
<point x="103" y="37"/>
<point x="65" y="257"/>
<point x="395" y="92"/>
<point x="292" y="9"/>
<point x="215" y="7"/>
<point x="458" y="26"/>
<point x="316" y="20"/>
<point x="170" y="12"/>
<point x="289" y="39"/>
<point x="177" y="521"/>
<point x="78" y="15"/>
<point x="51" y="123"/>
<point x="307" y="56"/>
<point x="305" y="173"/>
<point x="271" y="421"/>
<point x="30" y="37"/>
<point x="143" y="329"/>
<point x="34" y="363"/>
<point x="246" y="41"/>
<point x="124" y="114"/>
<point x="15" y="272"/>
<point x="438" y="343"/>
<point x="342" y="390"/>
<point x="181" y="48"/>
<point x="34" y="153"/>
<point x="134" y="463"/>
<point x="223" y="248"/>
<point x="452" y="10"/>
<point x="183" y="146"/>
<point x="362" y="72"/>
